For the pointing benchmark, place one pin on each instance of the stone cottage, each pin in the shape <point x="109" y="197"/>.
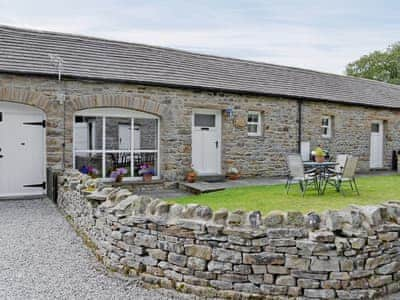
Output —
<point x="90" y="103"/>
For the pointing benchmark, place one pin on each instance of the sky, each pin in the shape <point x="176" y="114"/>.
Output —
<point x="320" y="35"/>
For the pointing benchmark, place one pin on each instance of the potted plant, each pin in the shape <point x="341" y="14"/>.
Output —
<point x="233" y="173"/>
<point x="319" y="155"/>
<point x="191" y="174"/>
<point x="147" y="172"/>
<point x="118" y="174"/>
<point x="89" y="170"/>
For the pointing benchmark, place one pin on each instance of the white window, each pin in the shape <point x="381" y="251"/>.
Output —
<point x="104" y="141"/>
<point x="254" y="123"/>
<point x="326" y="125"/>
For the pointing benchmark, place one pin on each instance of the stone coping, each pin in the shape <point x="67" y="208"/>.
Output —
<point x="352" y="221"/>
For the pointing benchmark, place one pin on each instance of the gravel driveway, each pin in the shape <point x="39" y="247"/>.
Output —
<point x="41" y="257"/>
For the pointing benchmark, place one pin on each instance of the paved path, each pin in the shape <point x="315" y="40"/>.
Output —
<point x="41" y="257"/>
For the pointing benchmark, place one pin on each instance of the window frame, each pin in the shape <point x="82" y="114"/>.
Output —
<point x="328" y="126"/>
<point x="258" y="123"/>
<point x="105" y="113"/>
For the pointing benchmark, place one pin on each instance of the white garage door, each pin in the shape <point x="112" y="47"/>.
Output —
<point x="22" y="150"/>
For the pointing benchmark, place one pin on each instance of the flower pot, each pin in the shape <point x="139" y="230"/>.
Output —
<point x="147" y="177"/>
<point x="191" y="177"/>
<point x="319" y="159"/>
<point x="233" y="176"/>
<point x="119" y="178"/>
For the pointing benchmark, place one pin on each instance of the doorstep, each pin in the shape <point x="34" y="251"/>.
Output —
<point x="214" y="178"/>
<point x="201" y="187"/>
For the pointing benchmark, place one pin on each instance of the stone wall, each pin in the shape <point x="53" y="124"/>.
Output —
<point x="253" y="156"/>
<point x="349" y="254"/>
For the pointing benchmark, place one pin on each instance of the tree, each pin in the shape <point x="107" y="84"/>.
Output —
<point x="378" y="65"/>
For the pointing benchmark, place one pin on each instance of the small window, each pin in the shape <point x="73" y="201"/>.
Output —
<point x="375" y="127"/>
<point x="326" y="125"/>
<point x="254" y="123"/>
<point x="204" y="120"/>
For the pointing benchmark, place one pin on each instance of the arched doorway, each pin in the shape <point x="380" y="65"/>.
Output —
<point x="22" y="150"/>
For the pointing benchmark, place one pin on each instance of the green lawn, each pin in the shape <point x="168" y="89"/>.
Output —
<point x="374" y="189"/>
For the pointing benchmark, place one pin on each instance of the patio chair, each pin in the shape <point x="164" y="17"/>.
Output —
<point x="348" y="175"/>
<point x="341" y="162"/>
<point x="297" y="174"/>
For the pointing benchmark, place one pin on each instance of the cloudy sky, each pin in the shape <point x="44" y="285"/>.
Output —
<point x="314" y="34"/>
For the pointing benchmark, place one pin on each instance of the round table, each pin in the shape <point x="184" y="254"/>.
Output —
<point x="321" y="170"/>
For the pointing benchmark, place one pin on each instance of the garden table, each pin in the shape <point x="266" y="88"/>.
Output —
<point x="321" y="170"/>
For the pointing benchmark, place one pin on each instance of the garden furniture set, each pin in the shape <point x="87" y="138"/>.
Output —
<point x="321" y="174"/>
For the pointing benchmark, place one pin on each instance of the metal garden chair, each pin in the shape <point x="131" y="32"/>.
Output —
<point x="348" y="175"/>
<point x="341" y="162"/>
<point x="297" y="174"/>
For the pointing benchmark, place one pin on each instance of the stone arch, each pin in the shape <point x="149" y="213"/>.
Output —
<point x="116" y="100"/>
<point x="25" y="96"/>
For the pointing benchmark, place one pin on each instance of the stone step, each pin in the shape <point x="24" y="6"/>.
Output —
<point x="201" y="187"/>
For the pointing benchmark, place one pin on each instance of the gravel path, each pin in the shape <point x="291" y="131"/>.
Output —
<point x="41" y="257"/>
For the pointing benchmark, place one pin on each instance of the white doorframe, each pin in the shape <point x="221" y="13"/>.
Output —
<point x="376" y="144"/>
<point x="214" y="141"/>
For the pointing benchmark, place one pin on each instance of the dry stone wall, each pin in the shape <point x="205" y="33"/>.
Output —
<point x="349" y="254"/>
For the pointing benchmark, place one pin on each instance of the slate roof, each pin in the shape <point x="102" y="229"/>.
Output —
<point x="27" y="51"/>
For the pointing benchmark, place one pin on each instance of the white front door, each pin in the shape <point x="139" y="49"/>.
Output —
<point x="376" y="150"/>
<point x="206" y="141"/>
<point x="22" y="150"/>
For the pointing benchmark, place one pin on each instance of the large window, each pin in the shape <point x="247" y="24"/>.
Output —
<point x="106" y="139"/>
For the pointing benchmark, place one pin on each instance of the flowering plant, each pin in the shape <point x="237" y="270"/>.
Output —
<point x="233" y="171"/>
<point x="91" y="171"/>
<point x="146" y="169"/>
<point x="319" y="152"/>
<point x="191" y="174"/>
<point x="118" y="173"/>
<point x="190" y="170"/>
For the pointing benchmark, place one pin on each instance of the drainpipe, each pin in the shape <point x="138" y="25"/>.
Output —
<point x="300" y="121"/>
<point x="64" y="138"/>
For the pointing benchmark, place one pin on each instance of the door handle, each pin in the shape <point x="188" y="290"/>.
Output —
<point x="216" y="144"/>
